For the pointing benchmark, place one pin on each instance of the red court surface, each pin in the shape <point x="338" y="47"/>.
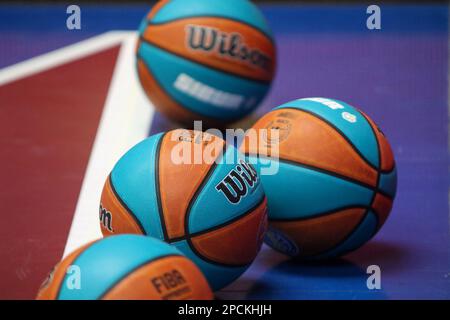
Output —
<point x="46" y="139"/>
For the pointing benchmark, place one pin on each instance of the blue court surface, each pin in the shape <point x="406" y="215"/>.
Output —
<point x="398" y="75"/>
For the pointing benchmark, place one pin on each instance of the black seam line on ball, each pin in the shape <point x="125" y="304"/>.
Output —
<point x="158" y="189"/>
<point x="356" y="228"/>
<point x="129" y="211"/>
<point x="265" y="34"/>
<point x="366" y="213"/>
<point x="378" y="175"/>
<point x="188" y="211"/>
<point x="331" y="173"/>
<point x="229" y="73"/>
<point x="211" y="169"/>
<point x="339" y="131"/>
<point x="143" y="264"/>
<point x="181" y="105"/>
<point x="390" y="170"/>
<point x="224" y="224"/>
<point x="379" y="160"/>
<point x="379" y="149"/>
<point x="321" y="214"/>
<point x="163" y="89"/>
<point x="58" y="291"/>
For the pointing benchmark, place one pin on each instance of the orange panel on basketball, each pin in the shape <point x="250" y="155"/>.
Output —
<point x="180" y="31"/>
<point x="114" y="217"/>
<point x="160" y="99"/>
<point x="178" y="183"/>
<point x="235" y="243"/>
<point x="317" y="235"/>
<point x="169" y="278"/>
<point x="308" y="140"/>
<point x="382" y="205"/>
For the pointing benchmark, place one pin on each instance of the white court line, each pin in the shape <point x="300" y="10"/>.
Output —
<point x="61" y="56"/>
<point x="125" y="121"/>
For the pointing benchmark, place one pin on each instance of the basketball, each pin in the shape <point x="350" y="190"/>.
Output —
<point x="335" y="180"/>
<point x="205" y="60"/>
<point x="125" y="267"/>
<point x="193" y="191"/>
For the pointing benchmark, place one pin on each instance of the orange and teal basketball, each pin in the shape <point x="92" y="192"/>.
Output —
<point x="125" y="267"/>
<point x="335" y="178"/>
<point x="205" y="60"/>
<point x="193" y="191"/>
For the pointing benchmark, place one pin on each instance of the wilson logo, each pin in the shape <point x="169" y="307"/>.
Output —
<point x="224" y="44"/>
<point x="105" y="219"/>
<point x="236" y="184"/>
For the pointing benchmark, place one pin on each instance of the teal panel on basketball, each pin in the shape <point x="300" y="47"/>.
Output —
<point x="142" y="26"/>
<point x="310" y="192"/>
<point x="363" y="233"/>
<point x="134" y="181"/>
<point x="346" y="119"/>
<point x="218" y="190"/>
<point x="104" y="263"/>
<point x="239" y="10"/>
<point x="218" y="276"/>
<point x="176" y="80"/>
<point x="388" y="182"/>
